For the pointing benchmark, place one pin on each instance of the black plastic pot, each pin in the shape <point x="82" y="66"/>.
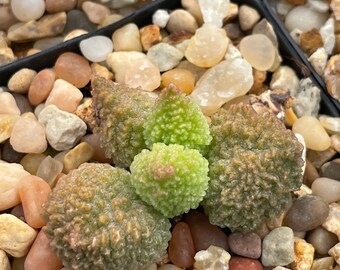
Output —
<point x="288" y="50"/>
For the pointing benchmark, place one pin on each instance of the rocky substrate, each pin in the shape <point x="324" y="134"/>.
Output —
<point x="46" y="122"/>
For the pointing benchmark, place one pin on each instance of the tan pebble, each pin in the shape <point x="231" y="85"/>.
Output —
<point x="259" y="78"/>
<point x="7" y="122"/>
<point x="181" y="20"/>
<point x="73" y="68"/>
<point x="331" y="75"/>
<point x="207" y="47"/>
<point x="111" y="19"/>
<point x="80" y="154"/>
<point x="75" y="33"/>
<point x="64" y="95"/>
<point x="335" y="253"/>
<point x="8" y="104"/>
<point x="28" y="136"/>
<point x="310" y="41"/>
<point x="4" y="262"/>
<point x="41" y="86"/>
<point x="47" y="26"/>
<point x="54" y="6"/>
<point x="184" y="79"/>
<point x="99" y="153"/>
<point x="102" y="71"/>
<point x="31" y="162"/>
<point x="96" y="12"/>
<point x="149" y="36"/>
<point x="21" y="80"/>
<point x="86" y="113"/>
<point x="194" y="9"/>
<point x="335" y="142"/>
<point x="16" y="236"/>
<point x="314" y="134"/>
<point x="135" y="70"/>
<point x="33" y="192"/>
<point x="32" y="51"/>
<point x="41" y="255"/>
<point x="304" y="255"/>
<point x="6" y="56"/>
<point x="290" y="117"/>
<point x="127" y="38"/>
<point x="332" y="223"/>
<point x="10" y="175"/>
<point x="248" y="17"/>
<point x="323" y="263"/>
<point x="197" y="71"/>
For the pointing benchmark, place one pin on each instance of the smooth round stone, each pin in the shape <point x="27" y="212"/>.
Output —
<point x="208" y="46"/>
<point x="99" y="152"/>
<point x="75" y="33"/>
<point x="307" y="213"/>
<point x="55" y="6"/>
<point x="203" y="233"/>
<point x="28" y="10"/>
<point x="304" y="19"/>
<point x="8" y="104"/>
<point x="62" y="89"/>
<point x="96" y="12"/>
<point x="127" y="38"/>
<point x="328" y="189"/>
<point x="331" y="124"/>
<point x="34" y="192"/>
<point x="240" y="263"/>
<point x="73" y="68"/>
<point x="77" y="19"/>
<point x="41" y="86"/>
<point x="21" y="80"/>
<point x="181" y="20"/>
<point x="22" y="103"/>
<point x="10" y="175"/>
<point x="183" y="78"/>
<point x="331" y="169"/>
<point x="315" y="136"/>
<point x="9" y="154"/>
<point x="248" y="17"/>
<point x="259" y="51"/>
<point x="80" y="154"/>
<point x="41" y="255"/>
<point x="97" y="48"/>
<point x="246" y="245"/>
<point x="181" y="246"/>
<point x="28" y="136"/>
<point x="322" y="240"/>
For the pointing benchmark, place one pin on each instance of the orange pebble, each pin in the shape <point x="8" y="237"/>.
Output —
<point x="33" y="192"/>
<point x="183" y="78"/>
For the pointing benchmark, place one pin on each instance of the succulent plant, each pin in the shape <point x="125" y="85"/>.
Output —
<point x="254" y="164"/>
<point x="120" y="113"/>
<point x="176" y="119"/>
<point x="95" y="220"/>
<point x="171" y="178"/>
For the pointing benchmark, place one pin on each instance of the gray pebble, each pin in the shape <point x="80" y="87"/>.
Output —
<point x="246" y="245"/>
<point x="328" y="189"/>
<point x="278" y="247"/>
<point x="307" y="213"/>
<point x="76" y="19"/>
<point x="22" y="103"/>
<point x="322" y="240"/>
<point x="331" y="169"/>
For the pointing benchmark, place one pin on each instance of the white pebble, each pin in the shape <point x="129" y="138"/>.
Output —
<point x="214" y="11"/>
<point x="26" y="10"/>
<point x="96" y="48"/>
<point x="328" y="36"/>
<point x="160" y="18"/>
<point x="63" y="129"/>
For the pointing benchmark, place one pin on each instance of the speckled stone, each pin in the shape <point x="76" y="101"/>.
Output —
<point x="304" y="255"/>
<point x="306" y="213"/>
<point x="246" y="245"/>
<point x="21" y="80"/>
